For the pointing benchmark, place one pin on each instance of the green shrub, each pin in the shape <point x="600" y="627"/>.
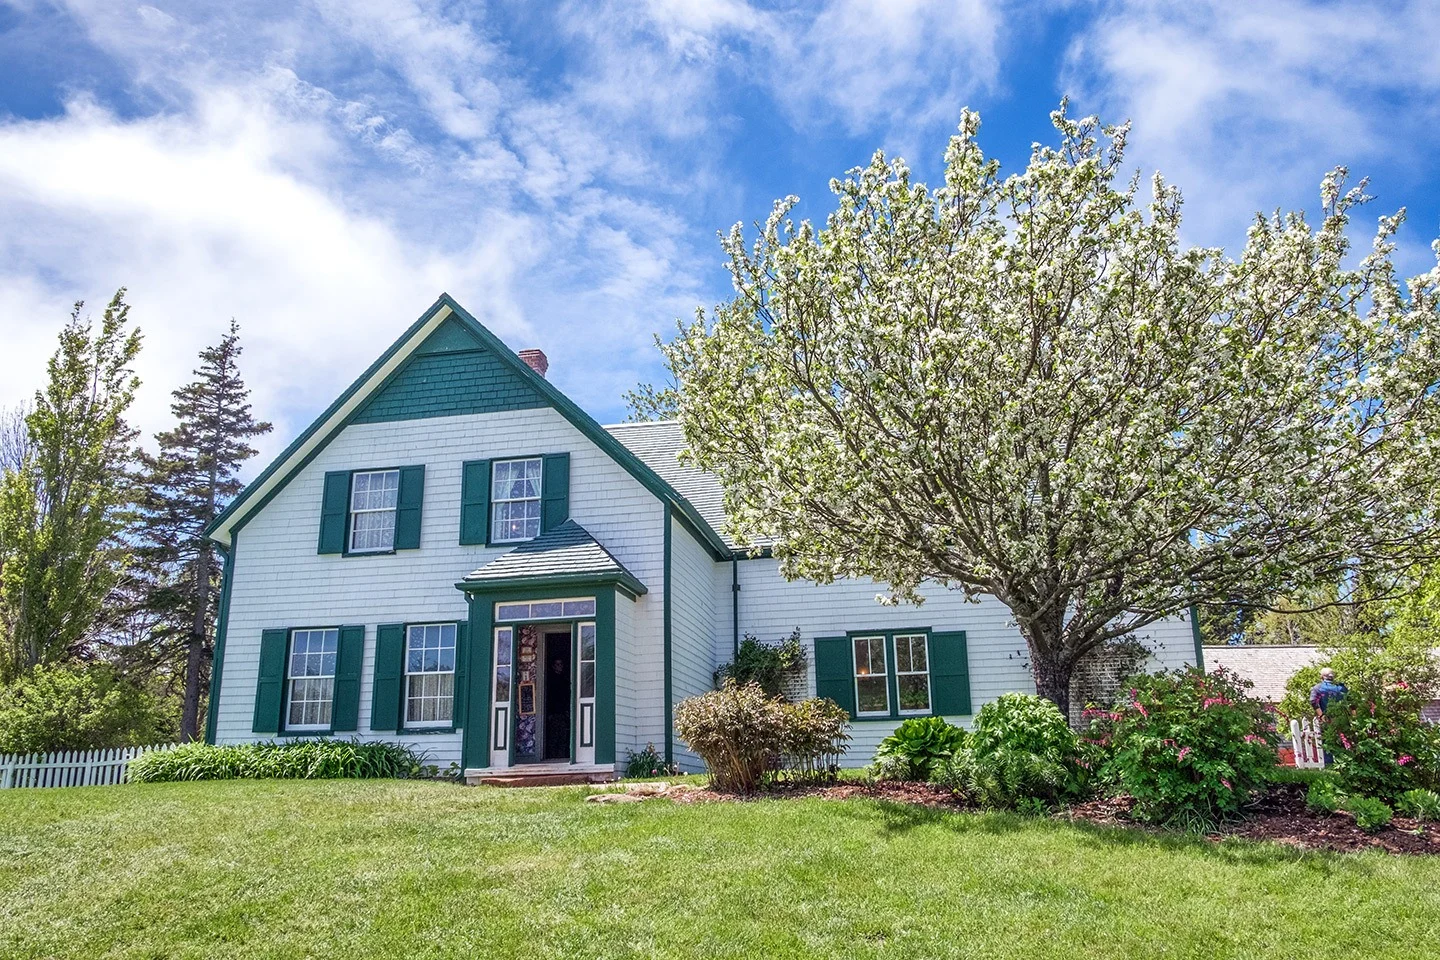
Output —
<point x="1379" y="745"/>
<point x="1324" y="796"/>
<point x="1021" y="754"/>
<point x="816" y="734"/>
<point x="1420" y="804"/>
<point x="80" y="706"/>
<point x="1370" y="814"/>
<point x="1191" y="747"/>
<point x="737" y="730"/>
<point x="766" y="664"/>
<point x="648" y="763"/>
<point x="916" y="748"/>
<point x="309" y="759"/>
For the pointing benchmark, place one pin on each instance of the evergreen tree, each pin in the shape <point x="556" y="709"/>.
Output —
<point x="188" y="481"/>
<point x="64" y="503"/>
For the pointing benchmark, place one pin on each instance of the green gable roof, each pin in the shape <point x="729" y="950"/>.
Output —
<point x="397" y="386"/>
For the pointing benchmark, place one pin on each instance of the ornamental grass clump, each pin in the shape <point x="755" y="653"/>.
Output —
<point x="737" y="730"/>
<point x="1192" y="748"/>
<point x="311" y="759"/>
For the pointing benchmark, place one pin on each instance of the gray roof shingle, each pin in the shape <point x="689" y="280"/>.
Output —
<point x="1268" y="666"/>
<point x="568" y="550"/>
<point x="658" y="444"/>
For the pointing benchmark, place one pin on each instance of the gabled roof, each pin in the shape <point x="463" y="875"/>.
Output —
<point x="566" y="553"/>
<point x="314" y="438"/>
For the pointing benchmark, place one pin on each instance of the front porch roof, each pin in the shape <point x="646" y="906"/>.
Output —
<point x="566" y="554"/>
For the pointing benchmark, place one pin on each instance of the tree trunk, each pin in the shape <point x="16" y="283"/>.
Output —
<point x="195" y="649"/>
<point x="1052" y="679"/>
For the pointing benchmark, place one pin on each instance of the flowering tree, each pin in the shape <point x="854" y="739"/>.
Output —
<point x="1030" y="388"/>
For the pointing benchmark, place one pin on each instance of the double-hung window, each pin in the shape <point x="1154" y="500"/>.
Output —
<point x="912" y="672"/>
<point x="374" y="495"/>
<point x="515" y="500"/>
<point x="429" y="674"/>
<point x="872" y="690"/>
<point x="310" y="679"/>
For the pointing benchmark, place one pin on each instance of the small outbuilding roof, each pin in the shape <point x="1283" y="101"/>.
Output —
<point x="566" y="553"/>
<point x="1268" y="666"/>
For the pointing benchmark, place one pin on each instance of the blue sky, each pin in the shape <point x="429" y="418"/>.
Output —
<point x="320" y="170"/>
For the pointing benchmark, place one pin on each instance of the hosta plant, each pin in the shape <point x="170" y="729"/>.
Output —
<point x="916" y="748"/>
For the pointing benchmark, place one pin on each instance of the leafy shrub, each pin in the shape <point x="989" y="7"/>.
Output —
<point x="737" y="730"/>
<point x="77" y="706"/>
<point x="1379" y="745"/>
<point x="1022" y="754"/>
<point x="1324" y="796"/>
<point x="916" y="748"/>
<point x="766" y="664"/>
<point x="1420" y="804"/>
<point x="648" y="763"/>
<point x="816" y="734"/>
<point x="310" y="759"/>
<point x="1370" y="814"/>
<point x="1191" y="747"/>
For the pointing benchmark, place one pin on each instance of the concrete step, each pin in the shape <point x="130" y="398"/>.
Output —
<point x="557" y="779"/>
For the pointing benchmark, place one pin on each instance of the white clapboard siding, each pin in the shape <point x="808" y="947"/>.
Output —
<point x="71" y="768"/>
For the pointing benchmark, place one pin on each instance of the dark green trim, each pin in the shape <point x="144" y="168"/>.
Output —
<point x="345" y="691"/>
<point x="669" y="644"/>
<point x="566" y="407"/>
<point x="1199" y="642"/>
<point x="409" y="508"/>
<point x="475" y="483"/>
<point x="617" y="578"/>
<point x="475" y="746"/>
<point x="605" y="676"/>
<point x="892" y="682"/>
<point x="222" y="621"/>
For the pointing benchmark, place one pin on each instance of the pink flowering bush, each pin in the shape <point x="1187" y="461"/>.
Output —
<point x="1378" y="744"/>
<point x="1190" y="747"/>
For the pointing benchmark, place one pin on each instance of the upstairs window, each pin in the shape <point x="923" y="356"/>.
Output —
<point x="515" y="500"/>
<point x="374" y="496"/>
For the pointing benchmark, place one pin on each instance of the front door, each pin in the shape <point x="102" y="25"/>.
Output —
<point x="556" y="693"/>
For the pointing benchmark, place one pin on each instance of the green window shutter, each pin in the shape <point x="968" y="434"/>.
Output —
<point x="270" y="688"/>
<point x="408" y="503"/>
<point x="474" y="501"/>
<point x="345" y="710"/>
<point x="462" y="672"/>
<point x="835" y="671"/>
<point x="385" y="691"/>
<point x="555" y="491"/>
<point x="949" y="674"/>
<point x="335" y="512"/>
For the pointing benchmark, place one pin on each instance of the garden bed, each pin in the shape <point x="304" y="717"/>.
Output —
<point x="1281" y="816"/>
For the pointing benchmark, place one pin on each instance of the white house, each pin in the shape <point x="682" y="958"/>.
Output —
<point x="455" y="556"/>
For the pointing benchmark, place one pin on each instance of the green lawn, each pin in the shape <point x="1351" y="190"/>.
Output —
<point x="395" y="869"/>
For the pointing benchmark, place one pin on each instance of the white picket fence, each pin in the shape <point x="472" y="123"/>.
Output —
<point x="71" y="768"/>
<point x="1309" y="751"/>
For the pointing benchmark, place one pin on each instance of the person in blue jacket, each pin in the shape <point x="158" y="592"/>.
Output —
<point x="1326" y="692"/>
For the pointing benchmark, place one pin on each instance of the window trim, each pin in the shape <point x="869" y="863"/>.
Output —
<point x="897" y="673"/>
<point x="884" y="675"/>
<point x="306" y="729"/>
<point x="529" y="617"/>
<point x="491" y="526"/>
<point x="351" y="512"/>
<point x="405" y="675"/>
<point x="892" y="686"/>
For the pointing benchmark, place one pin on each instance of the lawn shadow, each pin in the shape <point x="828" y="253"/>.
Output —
<point x="896" y="817"/>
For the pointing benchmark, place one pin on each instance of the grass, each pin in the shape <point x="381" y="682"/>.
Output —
<point x="412" y="869"/>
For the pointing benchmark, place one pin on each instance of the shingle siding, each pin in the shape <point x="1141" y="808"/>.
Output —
<point x="280" y="581"/>
<point x="692" y="624"/>
<point x="771" y="607"/>
<point x="447" y="385"/>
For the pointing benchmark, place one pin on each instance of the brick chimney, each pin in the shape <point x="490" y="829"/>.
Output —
<point x="535" y="360"/>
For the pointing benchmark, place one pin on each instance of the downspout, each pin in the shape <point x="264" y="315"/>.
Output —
<point x="669" y="679"/>
<point x="1199" y="642"/>
<point x="735" y="605"/>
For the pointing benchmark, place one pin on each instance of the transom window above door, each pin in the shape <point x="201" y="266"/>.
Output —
<point x="515" y="500"/>
<point x="373" y="498"/>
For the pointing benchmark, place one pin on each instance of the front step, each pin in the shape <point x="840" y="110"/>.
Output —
<point x="539" y="775"/>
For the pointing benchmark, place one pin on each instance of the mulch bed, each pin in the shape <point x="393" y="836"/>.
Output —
<point x="1281" y="816"/>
